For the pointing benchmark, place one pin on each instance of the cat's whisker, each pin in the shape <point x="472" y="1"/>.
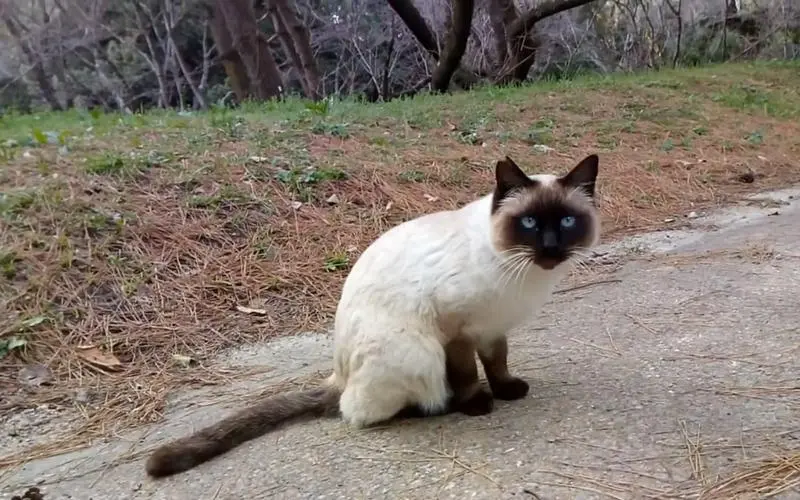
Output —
<point x="521" y="272"/>
<point x="513" y="264"/>
<point x="506" y="266"/>
<point x="524" y="276"/>
<point x="580" y="265"/>
<point x="521" y="260"/>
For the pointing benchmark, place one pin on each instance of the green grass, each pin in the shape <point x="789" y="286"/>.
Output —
<point x="748" y="87"/>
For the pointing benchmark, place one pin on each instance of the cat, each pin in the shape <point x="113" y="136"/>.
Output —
<point x="421" y="301"/>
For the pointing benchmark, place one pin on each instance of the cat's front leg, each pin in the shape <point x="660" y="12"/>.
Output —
<point x="462" y="376"/>
<point x="494" y="357"/>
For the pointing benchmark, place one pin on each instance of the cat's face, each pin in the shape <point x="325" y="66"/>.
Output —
<point x="544" y="218"/>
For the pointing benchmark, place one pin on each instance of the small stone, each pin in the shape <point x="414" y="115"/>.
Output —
<point x="332" y="199"/>
<point x="776" y="212"/>
<point x="692" y="215"/>
<point x="297" y="204"/>
<point x="668" y="220"/>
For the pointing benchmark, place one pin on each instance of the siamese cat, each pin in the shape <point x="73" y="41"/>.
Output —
<point x="420" y="303"/>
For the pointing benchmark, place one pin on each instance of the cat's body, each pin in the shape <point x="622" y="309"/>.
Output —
<point x="422" y="300"/>
<point x="446" y="283"/>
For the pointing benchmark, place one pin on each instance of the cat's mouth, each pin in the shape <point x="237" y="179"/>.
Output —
<point x="548" y="263"/>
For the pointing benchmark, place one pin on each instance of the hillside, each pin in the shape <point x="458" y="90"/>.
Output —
<point x="134" y="248"/>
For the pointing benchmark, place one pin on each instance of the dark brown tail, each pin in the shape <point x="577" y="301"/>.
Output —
<point x="244" y="425"/>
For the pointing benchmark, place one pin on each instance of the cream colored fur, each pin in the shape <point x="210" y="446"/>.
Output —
<point x="417" y="286"/>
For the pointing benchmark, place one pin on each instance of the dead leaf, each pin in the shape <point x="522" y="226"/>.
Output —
<point x="389" y="206"/>
<point x="251" y="310"/>
<point x="35" y="375"/>
<point x="95" y="356"/>
<point x="431" y="198"/>
<point x="183" y="360"/>
<point x="297" y="204"/>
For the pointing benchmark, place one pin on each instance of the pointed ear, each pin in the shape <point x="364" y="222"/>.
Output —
<point x="509" y="176"/>
<point x="583" y="176"/>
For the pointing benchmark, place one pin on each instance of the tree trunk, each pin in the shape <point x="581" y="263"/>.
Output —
<point x="416" y="24"/>
<point x="455" y="44"/>
<point x="262" y="70"/>
<point x="286" y="42"/>
<point x="521" y="39"/>
<point x="677" y="12"/>
<point x="542" y="11"/>
<point x="231" y="62"/>
<point x="169" y="20"/>
<point x="37" y="68"/>
<point x="502" y="13"/>
<point x="519" y="59"/>
<point x="301" y="42"/>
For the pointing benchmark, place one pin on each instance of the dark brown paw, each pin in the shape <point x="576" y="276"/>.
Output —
<point x="481" y="403"/>
<point x="508" y="390"/>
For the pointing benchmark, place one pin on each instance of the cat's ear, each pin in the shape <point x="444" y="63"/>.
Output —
<point x="583" y="176"/>
<point x="509" y="177"/>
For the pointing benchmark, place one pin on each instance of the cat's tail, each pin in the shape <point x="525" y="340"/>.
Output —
<point x="187" y="452"/>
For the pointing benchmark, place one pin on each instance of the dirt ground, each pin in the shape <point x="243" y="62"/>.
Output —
<point x="672" y="374"/>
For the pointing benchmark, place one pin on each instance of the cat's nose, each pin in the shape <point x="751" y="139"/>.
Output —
<point x="549" y="239"/>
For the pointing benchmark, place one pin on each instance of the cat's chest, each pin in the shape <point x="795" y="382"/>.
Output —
<point x="495" y="313"/>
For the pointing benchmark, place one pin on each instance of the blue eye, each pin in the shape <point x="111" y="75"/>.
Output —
<point x="528" y="222"/>
<point x="567" y="222"/>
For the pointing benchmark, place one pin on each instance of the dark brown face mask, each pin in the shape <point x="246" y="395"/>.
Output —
<point x="549" y="221"/>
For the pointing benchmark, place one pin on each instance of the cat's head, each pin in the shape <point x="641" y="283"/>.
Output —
<point x="545" y="218"/>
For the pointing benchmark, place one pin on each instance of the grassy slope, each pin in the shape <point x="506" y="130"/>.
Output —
<point x="141" y="238"/>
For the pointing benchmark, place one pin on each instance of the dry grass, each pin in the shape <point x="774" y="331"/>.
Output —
<point x="124" y="259"/>
<point x="762" y="480"/>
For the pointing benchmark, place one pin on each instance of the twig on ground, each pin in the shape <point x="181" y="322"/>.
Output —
<point x="585" y="285"/>
<point x="694" y="450"/>
<point x="641" y="323"/>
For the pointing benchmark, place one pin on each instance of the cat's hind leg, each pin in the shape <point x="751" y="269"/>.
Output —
<point x="469" y="397"/>
<point x="389" y="379"/>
